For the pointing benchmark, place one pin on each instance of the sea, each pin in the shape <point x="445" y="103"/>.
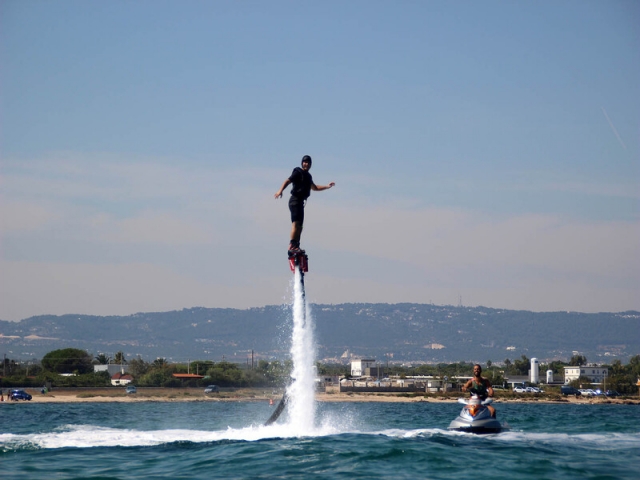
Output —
<point x="209" y="440"/>
<point x="313" y="440"/>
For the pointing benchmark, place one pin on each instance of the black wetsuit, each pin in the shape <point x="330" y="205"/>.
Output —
<point x="302" y="182"/>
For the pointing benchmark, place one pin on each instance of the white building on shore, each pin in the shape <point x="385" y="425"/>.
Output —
<point x="112" y="368"/>
<point x="594" y="373"/>
<point x="363" y="367"/>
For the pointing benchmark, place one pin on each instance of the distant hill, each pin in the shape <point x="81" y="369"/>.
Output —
<point x="394" y="332"/>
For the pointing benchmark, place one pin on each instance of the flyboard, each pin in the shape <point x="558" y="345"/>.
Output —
<point x="297" y="259"/>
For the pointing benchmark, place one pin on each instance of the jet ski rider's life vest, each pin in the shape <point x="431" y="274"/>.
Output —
<point x="479" y="389"/>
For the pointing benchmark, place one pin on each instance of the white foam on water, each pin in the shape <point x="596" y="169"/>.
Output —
<point x="591" y="440"/>
<point x="87" y="436"/>
<point x="419" y="432"/>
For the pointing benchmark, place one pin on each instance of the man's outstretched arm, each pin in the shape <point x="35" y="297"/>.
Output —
<point x="319" y="188"/>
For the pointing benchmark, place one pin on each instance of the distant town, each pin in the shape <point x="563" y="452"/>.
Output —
<point x="77" y="368"/>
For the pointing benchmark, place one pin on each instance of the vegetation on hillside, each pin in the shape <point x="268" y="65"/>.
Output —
<point x="403" y="332"/>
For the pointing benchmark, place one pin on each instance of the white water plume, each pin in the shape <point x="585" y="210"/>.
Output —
<point x="301" y="404"/>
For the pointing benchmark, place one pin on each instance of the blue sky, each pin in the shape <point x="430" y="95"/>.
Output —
<point x="483" y="150"/>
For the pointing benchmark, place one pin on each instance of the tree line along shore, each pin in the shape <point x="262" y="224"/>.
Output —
<point x="73" y="367"/>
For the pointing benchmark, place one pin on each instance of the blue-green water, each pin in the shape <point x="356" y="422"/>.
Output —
<point x="351" y="440"/>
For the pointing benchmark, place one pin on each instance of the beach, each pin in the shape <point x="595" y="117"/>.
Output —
<point x="155" y="394"/>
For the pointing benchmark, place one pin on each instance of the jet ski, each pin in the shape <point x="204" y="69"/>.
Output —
<point x="475" y="417"/>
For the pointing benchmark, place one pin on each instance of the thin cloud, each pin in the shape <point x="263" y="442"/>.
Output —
<point x="600" y="189"/>
<point x="443" y="238"/>
<point x="613" y="128"/>
<point x="17" y="216"/>
<point x="178" y="236"/>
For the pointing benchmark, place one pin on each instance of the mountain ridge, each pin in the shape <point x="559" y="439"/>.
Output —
<point x="403" y="332"/>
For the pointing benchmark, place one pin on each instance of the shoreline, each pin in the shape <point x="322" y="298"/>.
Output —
<point x="157" y="394"/>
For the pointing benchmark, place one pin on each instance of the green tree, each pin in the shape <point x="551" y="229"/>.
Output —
<point x="334" y="369"/>
<point x="160" y="363"/>
<point x="158" y="378"/>
<point x="623" y="378"/>
<point x="138" y="367"/>
<point x="617" y="368"/>
<point x="200" y="366"/>
<point x="10" y="367"/>
<point x="621" y="383"/>
<point x="102" y="359"/>
<point x="634" y="365"/>
<point x="507" y="364"/>
<point x="226" y="374"/>
<point x="578" y="361"/>
<point x="522" y="365"/>
<point x="98" y="379"/>
<point x="119" y="358"/>
<point x="68" y="360"/>
<point x="425" y="370"/>
<point x="262" y="366"/>
<point x="273" y="372"/>
<point x="557" y="366"/>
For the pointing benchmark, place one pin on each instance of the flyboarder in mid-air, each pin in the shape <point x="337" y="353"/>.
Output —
<point x="298" y="261"/>
<point x="302" y="186"/>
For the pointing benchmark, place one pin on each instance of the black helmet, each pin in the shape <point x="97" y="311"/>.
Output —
<point x="306" y="158"/>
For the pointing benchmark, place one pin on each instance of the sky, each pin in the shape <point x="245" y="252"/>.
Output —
<point x="484" y="153"/>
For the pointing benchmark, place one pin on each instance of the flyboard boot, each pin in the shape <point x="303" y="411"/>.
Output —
<point x="297" y="257"/>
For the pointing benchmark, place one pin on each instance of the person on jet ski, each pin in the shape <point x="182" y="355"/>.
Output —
<point x="480" y="386"/>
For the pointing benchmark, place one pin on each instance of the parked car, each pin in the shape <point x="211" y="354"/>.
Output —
<point x="611" y="393"/>
<point x="211" y="389"/>
<point x="587" y="392"/>
<point x="131" y="389"/>
<point x="520" y="390"/>
<point x="19" y="395"/>
<point x="533" y="390"/>
<point x="569" y="390"/>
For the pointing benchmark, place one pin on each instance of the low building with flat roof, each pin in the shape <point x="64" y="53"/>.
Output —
<point x="359" y="366"/>
<point x="112" y="368"/>
<point x="594" y="373"/>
